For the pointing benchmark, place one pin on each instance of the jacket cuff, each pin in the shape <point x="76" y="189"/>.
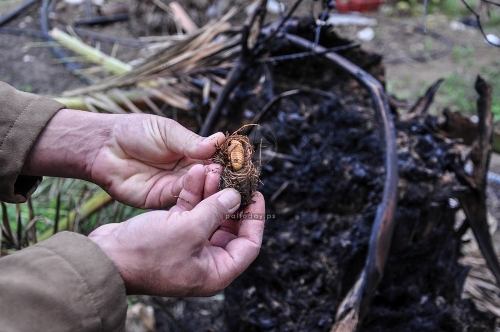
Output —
<point x="66" y="283"/>
<point x="23" y="117"/>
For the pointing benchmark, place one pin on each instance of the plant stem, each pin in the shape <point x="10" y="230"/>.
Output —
<point x="93" y="204"/>
<point x="92" y="54"/>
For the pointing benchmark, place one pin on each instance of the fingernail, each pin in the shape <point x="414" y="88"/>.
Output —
<point x="230" y="198"/>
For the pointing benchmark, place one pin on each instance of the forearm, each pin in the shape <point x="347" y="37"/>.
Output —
<point x="68" y="144"/>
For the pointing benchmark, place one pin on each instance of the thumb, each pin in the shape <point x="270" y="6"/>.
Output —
<point x="212" y="211"/>
<point x="205" y="147"/>
<point x="185" y="142"/>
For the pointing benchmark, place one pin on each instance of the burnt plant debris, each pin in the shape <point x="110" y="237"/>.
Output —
<point x="324" y="185"/>
<point x="317" y="242"/>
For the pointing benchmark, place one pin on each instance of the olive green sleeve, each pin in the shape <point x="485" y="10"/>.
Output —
<point x="22" y="117"/>
<point x="66" y="283"/>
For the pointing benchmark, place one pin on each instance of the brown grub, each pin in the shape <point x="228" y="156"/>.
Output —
<point x="236" y="157"/>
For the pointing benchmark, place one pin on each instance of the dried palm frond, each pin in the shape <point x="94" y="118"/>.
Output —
<point x="481" y="286"/>
<point x="166" y="76"/>
<point x="90" y="53"/>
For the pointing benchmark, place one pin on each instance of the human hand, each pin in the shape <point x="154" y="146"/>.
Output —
<point x="144" y="160"/>
<point x="138" y="159"/>
<point x="191" y="250"/>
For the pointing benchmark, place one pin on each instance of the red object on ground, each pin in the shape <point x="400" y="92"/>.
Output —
<point x="344" y="6"/>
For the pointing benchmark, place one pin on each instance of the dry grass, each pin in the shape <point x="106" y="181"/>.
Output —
<point x="170" y="74"/>
<point x="481" y="286"/>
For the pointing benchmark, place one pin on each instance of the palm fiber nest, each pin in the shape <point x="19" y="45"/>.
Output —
<point x="240" y="174"/>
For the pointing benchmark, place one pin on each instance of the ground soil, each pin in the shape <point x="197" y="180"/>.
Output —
<point x="313" y="251"/>
<point x="413" y="59"/>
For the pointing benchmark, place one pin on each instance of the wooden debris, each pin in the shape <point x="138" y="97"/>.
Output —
<point x="474" y="202"/>
<point x="185" y="21"/>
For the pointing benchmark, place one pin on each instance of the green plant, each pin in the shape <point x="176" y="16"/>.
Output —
<point x="399" y="88"/>
<point x="462" y="54"/>
<point x="132" y="299"/>
<point x="58" y="204"/>
<point x="452" y="9"/>
<point x="16" y="234"/>
<point x="494" y="19"/>
<point x="457" y="92"/>
<point x="492" y="75"/>
<point x="26" y="87"/>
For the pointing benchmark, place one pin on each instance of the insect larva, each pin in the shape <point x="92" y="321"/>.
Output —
<point x="236" y="154"/>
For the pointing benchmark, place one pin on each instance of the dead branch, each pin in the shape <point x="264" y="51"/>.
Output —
<point x="247" y="56"/>
<point x="422" y="105"/>
<point x="249" y="52"/>
<point x="275" y="29"/>
<point x="492" y="2"/>
<point x="478" y="19"/>
<point x="293" y="56"/>
<point x="458" y="126"/>
<point x="474" y="203"/>
<point x="14" y="13"/>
